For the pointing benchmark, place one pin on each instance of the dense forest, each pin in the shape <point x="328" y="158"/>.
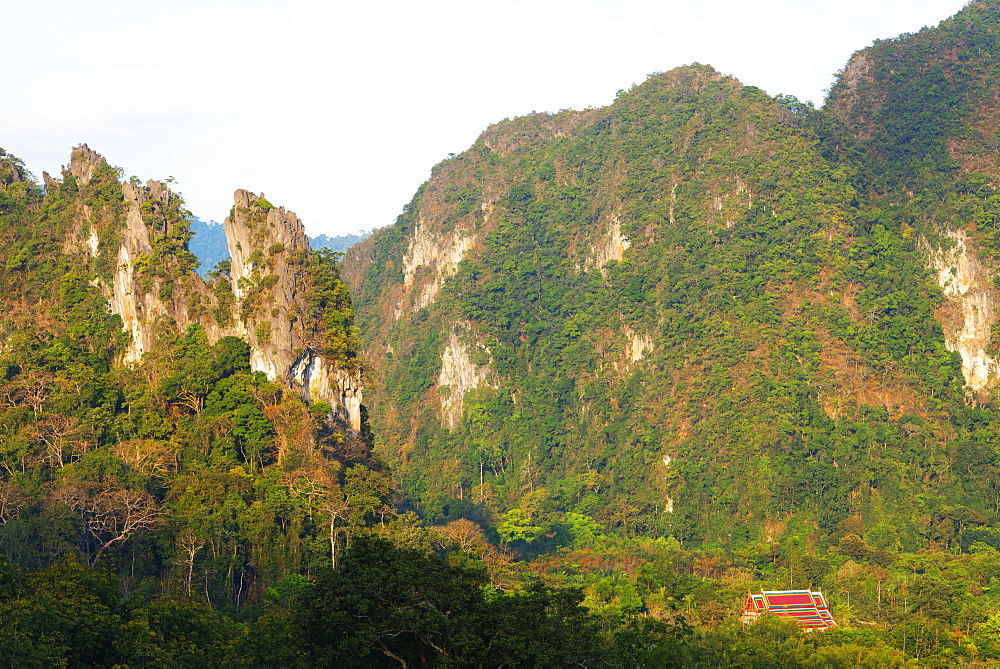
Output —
<point x="735" y="324"/>
<point x="622" y="366"/>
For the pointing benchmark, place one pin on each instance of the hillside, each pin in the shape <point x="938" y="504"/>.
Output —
<point x="145" y="409"/>
<point x="186" y="475"/>
<point x="705" y="313"/>
<point x="608" y="372"/>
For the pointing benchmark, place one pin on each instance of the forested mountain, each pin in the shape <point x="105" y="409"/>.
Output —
<point x="643" y="357"/>
<point x="208" y="244"/>
<point x="736" y="322"/>
<point x="337" y="243"/>
<point x="181" y="435"/>
<point x="686" y="314"/>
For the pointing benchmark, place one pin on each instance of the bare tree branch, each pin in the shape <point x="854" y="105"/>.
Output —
<point x="112" y="515"/>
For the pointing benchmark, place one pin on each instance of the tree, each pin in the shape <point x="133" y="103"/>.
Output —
<point x="540" y="626"/>
<point x="177" y="633"/>
<point x="64" y="616"/>
<point x="62" y="437"/>
<point x="112" y="515"/>
<point x="189" y="544"/>
<point x="406" y="605"/>
<point x="518" y="526"/>
<point x="470" y="539"/>
<point x="323" y="494"/>
<point x="12" y="500"/>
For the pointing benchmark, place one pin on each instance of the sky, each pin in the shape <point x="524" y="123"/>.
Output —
<point x="338" y="110"/>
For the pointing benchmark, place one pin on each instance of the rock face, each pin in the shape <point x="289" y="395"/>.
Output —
<point x="968" y="316"/>
<point x="850" y="95"/>
<point x="460" y="373"/>
<point x="439" y="253"/>
<point x="83" y="163"/>
<point x="611" y="246"/>
<point x="636" y="346"/>
<point x="138" y="296"/>
<point x="154" y="287"/>
<point x="10" y="171"/>
<point x="268" y="246"/>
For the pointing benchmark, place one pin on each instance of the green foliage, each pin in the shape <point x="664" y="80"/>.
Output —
<point x="177" y="475"/>
<point x="765" y="355"/>
<point x="409" y="606"/>
<point x="329" y="302"/>
<point x="708" y="359"/>
<point x="386" y="601"/>
<point x="738" y="285"/>
<point x="222" y="289"/>
<point x="169" y="224"/>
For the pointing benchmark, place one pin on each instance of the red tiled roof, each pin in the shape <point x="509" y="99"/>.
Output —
<point x="808" y="609"/>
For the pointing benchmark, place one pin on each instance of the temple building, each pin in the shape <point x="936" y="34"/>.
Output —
<point x="806" y="608"/>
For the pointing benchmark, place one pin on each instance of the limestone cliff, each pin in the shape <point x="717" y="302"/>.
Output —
<point x="10" y="171"/>
<point x="270" y="278"/>
<point x="464" y="367"/>
<point x="438" y="253"/>
<point x="265" y="299"/>
<point x="266" y="245"/>
<point x="637" y="346"/>
<point x="611" y="246"/>
<point x="143" y="287"/>
<point x="969" y="312"/>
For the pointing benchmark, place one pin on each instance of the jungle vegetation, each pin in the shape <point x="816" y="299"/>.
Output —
<point x="753" y="392"/>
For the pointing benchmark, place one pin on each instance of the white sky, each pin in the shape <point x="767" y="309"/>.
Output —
<point x="337" y="110"/>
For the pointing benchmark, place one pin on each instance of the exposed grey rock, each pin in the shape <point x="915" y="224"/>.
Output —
<point x="83" y="162"/>
<point x="269" y="250"/>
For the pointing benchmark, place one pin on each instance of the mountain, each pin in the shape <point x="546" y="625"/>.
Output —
<point x="208" y="244"/>
<point x="189" y="458"/>
<point x="153" y="411"/>
<point x="705" y="312"/>
<point x="337" y="243"/>
<point x="263" y="297"/>
<point x="620" y="367"/>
